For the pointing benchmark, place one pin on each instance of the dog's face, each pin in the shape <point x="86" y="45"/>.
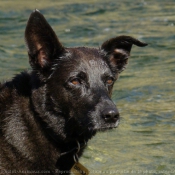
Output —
<point x="81" y="85"/>
<point x="78" y="80"/>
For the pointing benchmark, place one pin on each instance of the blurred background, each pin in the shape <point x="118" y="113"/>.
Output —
<point x="144" y="142"/>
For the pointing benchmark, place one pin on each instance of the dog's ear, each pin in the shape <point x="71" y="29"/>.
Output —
<point x="42" y="42"/>
<point x="118" y="50"/>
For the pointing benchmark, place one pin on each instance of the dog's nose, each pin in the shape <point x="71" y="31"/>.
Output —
<point x="110" y="114"/>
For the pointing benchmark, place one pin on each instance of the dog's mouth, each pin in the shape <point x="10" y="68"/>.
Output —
<point x="103" y="127"/>
<point x="107" y="127"/>
<point x="87" y="131"/>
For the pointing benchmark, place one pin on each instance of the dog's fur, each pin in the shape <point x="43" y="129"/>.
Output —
<point x="64" y="99"/>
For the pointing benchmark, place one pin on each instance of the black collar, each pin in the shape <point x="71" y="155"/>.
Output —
<point x="78" y="148"/>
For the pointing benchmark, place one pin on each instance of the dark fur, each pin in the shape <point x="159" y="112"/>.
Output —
<point x="64" y="99"/>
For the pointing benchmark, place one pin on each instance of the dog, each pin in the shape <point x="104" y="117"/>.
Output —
<point x="48" y="114"/>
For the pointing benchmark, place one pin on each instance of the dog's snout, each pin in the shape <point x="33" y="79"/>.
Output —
<point x="110" y="114"/>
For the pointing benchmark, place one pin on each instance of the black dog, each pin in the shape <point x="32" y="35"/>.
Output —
<point x="47" y="113"/>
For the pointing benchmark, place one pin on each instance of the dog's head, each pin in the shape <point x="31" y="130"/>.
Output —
<point x="77" y="81"/>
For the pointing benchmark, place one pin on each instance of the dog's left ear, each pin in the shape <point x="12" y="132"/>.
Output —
<point x="42" y="42"/>
<point x="118" y="50"/>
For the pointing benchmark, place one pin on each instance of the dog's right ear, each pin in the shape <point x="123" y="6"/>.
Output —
<point x="42" y="42"/>
<point x="118" y="50"/>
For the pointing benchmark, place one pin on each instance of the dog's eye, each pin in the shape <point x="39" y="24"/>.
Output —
<point x="109" y="81"/>
<point x="75" y="82"/>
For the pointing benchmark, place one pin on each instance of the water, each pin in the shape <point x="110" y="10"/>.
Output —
<point x="144" y="143"/>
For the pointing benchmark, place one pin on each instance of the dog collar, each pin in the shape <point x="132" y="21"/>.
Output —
<point x="78" y="148"/>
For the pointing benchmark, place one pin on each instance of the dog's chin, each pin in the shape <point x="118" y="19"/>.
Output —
<point x="103" y="129"/>
<point x="106" y="127"/>
<point x="100" y="128"/>
<point x="86" y="133"/>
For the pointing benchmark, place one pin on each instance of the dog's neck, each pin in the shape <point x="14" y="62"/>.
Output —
<point x="69" y="155"/>
<point x="66" y="147"/>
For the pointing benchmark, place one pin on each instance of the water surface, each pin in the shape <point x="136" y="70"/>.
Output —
<point x="144" y="143"/>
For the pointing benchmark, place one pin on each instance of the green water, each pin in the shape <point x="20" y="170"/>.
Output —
<point x="144" y="143"/>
